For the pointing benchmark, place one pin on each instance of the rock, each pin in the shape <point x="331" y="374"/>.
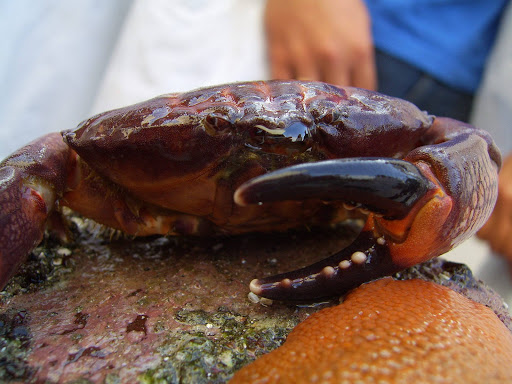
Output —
<point x="164" y="310"/>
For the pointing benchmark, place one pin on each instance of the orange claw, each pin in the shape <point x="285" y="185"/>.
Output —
<point x="457" y="167"/>
<point x="395" y="332"/>
<point x="415" y="238"/>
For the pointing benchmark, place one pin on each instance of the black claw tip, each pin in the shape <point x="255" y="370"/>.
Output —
<point x="383" y="185"/>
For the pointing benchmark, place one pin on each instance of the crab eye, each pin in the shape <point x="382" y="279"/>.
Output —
<point x="333" y="117"/>
<point x="327" y="112"/>
<point x="215" y="123"/>
<point x="328" y="118"/>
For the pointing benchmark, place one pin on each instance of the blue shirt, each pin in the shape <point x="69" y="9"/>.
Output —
<point x="448" y="39"/>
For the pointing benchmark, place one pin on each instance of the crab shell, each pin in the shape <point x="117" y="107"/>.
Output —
<point x="263" y="156"/>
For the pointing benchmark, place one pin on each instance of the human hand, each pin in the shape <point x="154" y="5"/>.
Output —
<point x="498" y="229"/>
<point x="326" y="40"/>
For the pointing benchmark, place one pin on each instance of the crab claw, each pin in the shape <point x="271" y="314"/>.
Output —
<point x="30" y="181"/>
<point x="419" y="208"/>
<point x="385" y="186"/>
<point x="390" y="188"/>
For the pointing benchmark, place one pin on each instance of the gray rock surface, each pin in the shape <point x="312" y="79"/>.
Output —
<point x="164" y="310"/>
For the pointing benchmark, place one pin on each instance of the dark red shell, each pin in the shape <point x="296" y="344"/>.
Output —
<point x="181" y="137"/>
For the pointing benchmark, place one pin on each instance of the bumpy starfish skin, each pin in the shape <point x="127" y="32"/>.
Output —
<point x="392" y="332"/>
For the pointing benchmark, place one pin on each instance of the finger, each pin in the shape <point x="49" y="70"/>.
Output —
<point x="505" y="230"/>
<point x="305" y="67"/>
<point x="502" y="242"/>
<point x="336" y="74"/>
<point x="364" y="75"/>
<point x="485" y="232"/>
<point x="499" y="235"/>
<point x="508" y="251"/>
<point x="339" y="76"/>
<point x="280" y="67"/>
<point x="506" y="240"/>
<point x="334" y="68"/>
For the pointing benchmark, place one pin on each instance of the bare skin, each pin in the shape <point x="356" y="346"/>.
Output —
<point x="498" y="229"/>
<point x="326" y="40"/>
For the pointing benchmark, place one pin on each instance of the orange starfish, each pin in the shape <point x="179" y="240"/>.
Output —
<point x="392" y="331"/>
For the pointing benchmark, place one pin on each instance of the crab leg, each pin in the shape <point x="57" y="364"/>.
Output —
<point x="30" y="181"/>
<point x="421" y="207"/>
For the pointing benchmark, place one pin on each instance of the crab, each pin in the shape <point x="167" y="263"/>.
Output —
<point x="262" y="156"/>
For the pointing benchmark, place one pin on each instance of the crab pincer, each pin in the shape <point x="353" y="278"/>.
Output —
<point x="412" y="205"/>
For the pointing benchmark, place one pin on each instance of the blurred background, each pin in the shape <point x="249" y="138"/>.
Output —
<point x="62" y="61"/>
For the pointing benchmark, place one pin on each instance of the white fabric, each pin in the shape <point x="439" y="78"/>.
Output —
<point x="178" y="45"/>
<point x="52" y="57"/>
